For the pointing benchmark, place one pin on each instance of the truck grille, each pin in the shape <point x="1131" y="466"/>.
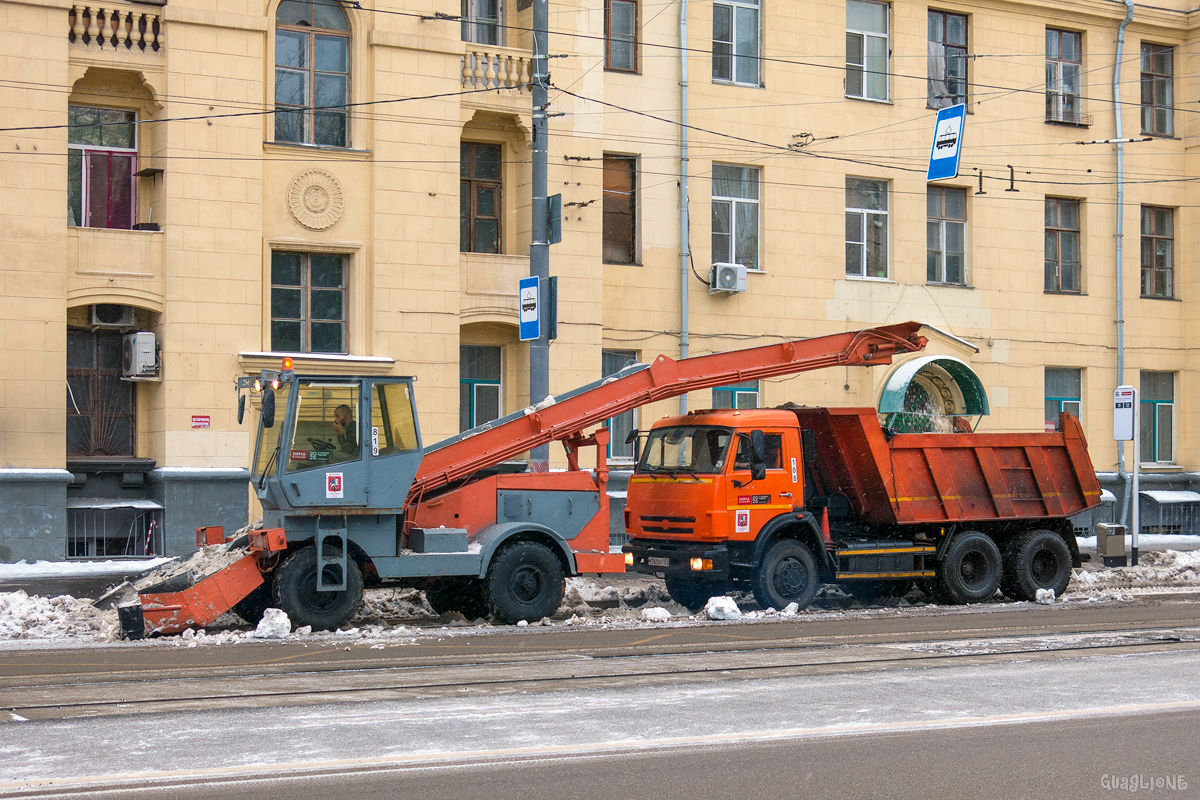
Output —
<point x="654" y="524"/>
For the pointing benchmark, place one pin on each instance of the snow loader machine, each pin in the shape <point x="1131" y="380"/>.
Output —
<point x="353" y="498"/>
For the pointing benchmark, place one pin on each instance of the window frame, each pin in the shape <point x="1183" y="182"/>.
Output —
<point x="475" y="384"/>
<point x="474" y="23"/>
<point x="862" y="243"/>
<point x="1056" y="96"/>
<point x="862" y="67"/>
<point x="736" y="391"/>
<point x="612" y="197"/>
<point x="620" y="425"/>
<point x="944" y="222"/>
<point x="308" y="109"/>
<point x="945" y="101"/>
<point x="1058" y="232"/>
<point x="735" y="203"/>
<point x="1062" y="401"/>
<point x="1155" y="406"/>
<point x="1153" y="269"/>
<point x="736" y="10"/>
<point x="98" y="377"/>
<point x="1152" y="79"/>
<point x="306" y="319"/>
<point x="631" y="39"/>
<point x="88" y="151"/>
<point x="469" y="186"/>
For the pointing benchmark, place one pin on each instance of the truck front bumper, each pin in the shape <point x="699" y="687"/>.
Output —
<point x="661" y="557"/>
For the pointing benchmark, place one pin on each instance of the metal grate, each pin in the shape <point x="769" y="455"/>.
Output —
<point x="98" y="532"/>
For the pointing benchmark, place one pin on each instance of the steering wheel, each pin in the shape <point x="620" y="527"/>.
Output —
<point x="321" y="444"/>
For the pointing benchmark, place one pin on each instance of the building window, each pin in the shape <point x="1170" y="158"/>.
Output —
<point x="1157" y="90"/>
<point x="619" y="427"/>
<point x="312" y="73"/>
<point x="735" y="42"/>
<point x="947" y="59"/>
<point x="101" y="160"/>
<point x="100" y="406"/>
<point x="1064" y="56"/>
<point x="738" y="395"/>
<point x="481" y="21"/>
<point x="479" y="198"/>
<point x="1158" y="252"/>
<point x="1062" y="245"/>
<point x="1064" y="390"/>
<point x="735" y="215"/>
<point x="866" y="228"/>
<point x="479" y="390"/>
<point x="1157" y="428"/>
<point x="620" y="209"/>
<point x="866" y="50"/>
<point x="946" y="235"/>
<point x="620" y="35"/>
<point x="308" y="303"/>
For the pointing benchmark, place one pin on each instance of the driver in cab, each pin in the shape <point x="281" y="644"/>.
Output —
<point x="343" y="427"/>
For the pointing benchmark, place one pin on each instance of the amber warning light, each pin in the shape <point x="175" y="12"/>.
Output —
<point x="287" y="364"/>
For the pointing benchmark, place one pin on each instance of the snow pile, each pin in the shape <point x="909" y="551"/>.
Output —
<point x="63" y="617"/>
<point x="22" y="570"/>
<point x="1159" y="569"/>
<point x="656" y="614"/>
<point x="722" y="608"/>
<point x="389" y="605"/>
<point x="790" y="610"/>
<point x="1045" y="597"/>
<point x="274" y="625"/>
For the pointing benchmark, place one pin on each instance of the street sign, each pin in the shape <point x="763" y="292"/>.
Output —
<point x="530" y="308"/>
<point x="554" y="218"/>
<point x="947" y="143"/>
<point x="1124" y="404"/>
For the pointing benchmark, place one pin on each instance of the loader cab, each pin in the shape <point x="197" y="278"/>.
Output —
<point x="336" y="442"/>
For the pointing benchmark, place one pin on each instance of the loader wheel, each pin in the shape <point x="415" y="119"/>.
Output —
<point x="971" y="570"/>
<point x="464" y="595"/>
<point x="691" y="593"/>
<point x="787" y="574"/>
<point x="252" y="607"/>
<point x="1039" y="559"/>
<point x="524" y="582"/>
<point x="295" y="590"/>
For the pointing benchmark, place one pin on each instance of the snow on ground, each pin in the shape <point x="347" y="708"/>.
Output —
<point x="391" y="617"/>
<point x="23" y="571"/>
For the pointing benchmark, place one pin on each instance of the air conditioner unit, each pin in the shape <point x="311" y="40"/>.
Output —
<point x="139" y="355"/>
<point x="729" y="278"/>
<point x="112" y="315"/>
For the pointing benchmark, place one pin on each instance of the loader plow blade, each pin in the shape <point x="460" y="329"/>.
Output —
<point x="194" y="606"/>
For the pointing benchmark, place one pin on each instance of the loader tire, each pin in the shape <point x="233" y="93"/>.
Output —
<point x="787" y="574"/>
<point x="971" y="571"/>
<point x="691" y="593"/>
<point x="295" y="591"/>
<point x="524" y="582"/>
<point x="252" y="607"/>
<point x="464" y="595"/>
<point x="1039" y="559"/>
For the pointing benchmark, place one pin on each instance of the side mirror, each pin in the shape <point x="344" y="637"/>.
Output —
<point x="758" y="456"/>
<point x="241" y="407"/>
<point x="268" y="407"/>
<point x="633" y="439"/>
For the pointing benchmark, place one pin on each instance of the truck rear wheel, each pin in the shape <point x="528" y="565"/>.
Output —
<point x="295" y="590"/>
<point x="524" y="582"/>
<point x="787" y="574"/>
<point x="1039" y="559"/>
<point x="691" y="593"/>
<point x="971" y="571"/>
<point x="464" y="595"/>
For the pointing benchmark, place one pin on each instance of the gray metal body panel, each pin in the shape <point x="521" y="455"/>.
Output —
<point x="438" y="540"/>
<point x="374" y="533"/>
<point x="490" y="538"/>
<point x="429" y="565"/>
<point x="566" y="513"/>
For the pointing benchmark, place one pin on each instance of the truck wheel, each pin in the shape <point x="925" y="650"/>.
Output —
<point x="971" y="571"/>
<point x="691" y="593"/>
<point x="295" y="591"/>
<point x="252" y="607"/>
<point x="787" y="574"/>
<point x="524" y="582"/>
<point x="464" y="595"/>
<point x="1040" y="560"/>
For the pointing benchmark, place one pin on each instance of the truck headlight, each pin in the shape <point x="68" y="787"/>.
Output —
<point x="701" y="564"/>
<point x="629" y="559"/>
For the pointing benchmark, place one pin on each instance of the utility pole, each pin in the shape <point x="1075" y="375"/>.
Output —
<point x="539" y="245"/>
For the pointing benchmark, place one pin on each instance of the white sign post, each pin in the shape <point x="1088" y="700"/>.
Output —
<point x="1126" y="429"/>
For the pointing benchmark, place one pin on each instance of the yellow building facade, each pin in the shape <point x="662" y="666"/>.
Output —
<point x="248" y="179"/>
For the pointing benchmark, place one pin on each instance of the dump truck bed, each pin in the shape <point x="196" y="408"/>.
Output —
<point x="929" y="478"/>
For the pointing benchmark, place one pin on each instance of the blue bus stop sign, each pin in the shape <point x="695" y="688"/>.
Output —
<point x="531" y="308"/>
<point x="947" y="143"/>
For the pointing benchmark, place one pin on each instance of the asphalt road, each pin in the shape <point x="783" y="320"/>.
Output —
<point x="1017" y="701"/>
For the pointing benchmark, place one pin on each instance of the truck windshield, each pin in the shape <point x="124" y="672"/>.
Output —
<point x="266" y="456"/>
<point x="688" y="448"/>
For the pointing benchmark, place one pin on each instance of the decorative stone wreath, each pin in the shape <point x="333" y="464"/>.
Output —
<point x="315" y="199"/>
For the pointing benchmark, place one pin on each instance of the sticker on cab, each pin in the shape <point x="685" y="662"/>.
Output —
<point x="333" y="485"/>
<point x="741" y="521"/>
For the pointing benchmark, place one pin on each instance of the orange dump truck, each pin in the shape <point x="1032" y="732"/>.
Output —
<point x="780" y="501"/>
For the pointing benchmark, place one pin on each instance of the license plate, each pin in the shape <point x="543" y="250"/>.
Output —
<point x="655" y="561"/>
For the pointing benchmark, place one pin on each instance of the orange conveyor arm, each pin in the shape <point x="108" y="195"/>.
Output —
<point x="570" y="414"/>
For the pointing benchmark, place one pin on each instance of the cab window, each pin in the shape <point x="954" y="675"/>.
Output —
<point x="326" y="430"/>
<point x="772" y="451"/>
<point x="393" y="428"/>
